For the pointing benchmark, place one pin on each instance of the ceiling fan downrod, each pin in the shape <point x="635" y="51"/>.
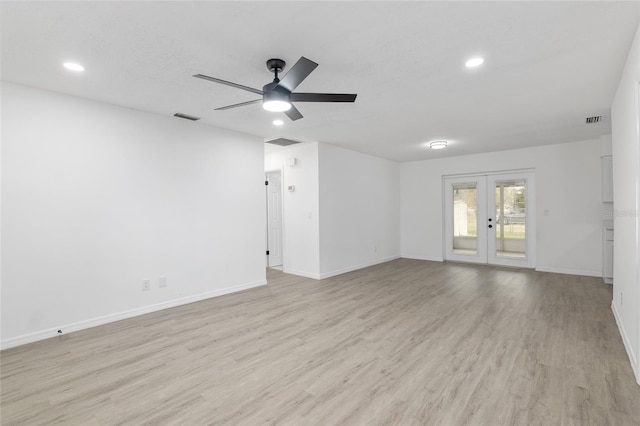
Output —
<point x="276" y="66"/>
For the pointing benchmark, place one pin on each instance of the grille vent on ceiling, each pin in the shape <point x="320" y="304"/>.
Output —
<point x="593" y="120"/>
<point x="282" y="142"/>
<point x="186" y="116"/>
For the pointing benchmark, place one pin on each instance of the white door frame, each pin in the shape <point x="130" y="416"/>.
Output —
<point x="530" y="223"/>
<point x="282" y="222"/>
<point x="481" y="216"/>
<point x="485" y="210"/>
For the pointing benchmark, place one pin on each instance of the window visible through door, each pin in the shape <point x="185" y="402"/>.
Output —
<point x="490" y="218"/>
<point x="511" y="215"/>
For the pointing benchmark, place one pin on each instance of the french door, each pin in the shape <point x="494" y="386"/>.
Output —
<point x="489" y="218"/>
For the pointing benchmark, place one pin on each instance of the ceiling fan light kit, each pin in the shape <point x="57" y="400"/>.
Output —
<point x="276" y="101"/>
<point x="278" y="95"/>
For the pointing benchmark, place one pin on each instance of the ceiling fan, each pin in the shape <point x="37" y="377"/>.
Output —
<point x="278" y="95"/>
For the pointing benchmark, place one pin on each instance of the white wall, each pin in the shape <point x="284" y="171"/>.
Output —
<point x="625" y="121"/>
<point x="301" y="226"/>
<point x="97" y="198"/>
<point x="567" y="185"/>
<point x="359" y="210"/>
<point x="344" y="213"/>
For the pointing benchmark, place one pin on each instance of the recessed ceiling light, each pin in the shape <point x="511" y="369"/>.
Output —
<point x="72" y="66"/>
<point x="474" y="62"/>
<point x="438" y="144"/>
<point x="278" y="122"/>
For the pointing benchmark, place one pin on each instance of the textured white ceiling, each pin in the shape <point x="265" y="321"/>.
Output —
<point x="548" y="65"/>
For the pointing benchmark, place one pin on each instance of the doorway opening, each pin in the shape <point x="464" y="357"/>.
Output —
<point x="490" y="218"/>
<point x="274" y="219"/>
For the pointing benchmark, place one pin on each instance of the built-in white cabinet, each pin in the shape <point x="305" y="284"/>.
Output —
<point x="607" y="178"/>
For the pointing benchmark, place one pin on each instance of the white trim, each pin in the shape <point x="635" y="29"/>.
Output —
<point x="529" y="261"/>
<point x="480" y="257"/>
<point x="338" y="271"/>
<point x="105" y="319"/>
<point x="485" y="209"/>
<point x="418" y="257"/>
<point x="267" y="259"/>
<point x="495" y="172"/>
<point x="566" y="271"/>
<point x="300" y="273"/>
<point x="627" y="344"/>
<point x="637" y="283"/>
<point x="355" y="268"/>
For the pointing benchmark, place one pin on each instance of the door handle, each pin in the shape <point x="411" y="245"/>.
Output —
<point x="490" y="226"/>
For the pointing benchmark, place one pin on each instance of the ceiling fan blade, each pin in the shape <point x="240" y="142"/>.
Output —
<point x="293" y="113"/>
<point x="238" y="105"/>
<point x="298" y="72"/>
<point x="228" y="83"/>
<point x="323" y="97"/>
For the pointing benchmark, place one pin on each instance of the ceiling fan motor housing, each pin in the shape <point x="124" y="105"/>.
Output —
<point x="272" y="91"/>
<point x="274" y="88"/>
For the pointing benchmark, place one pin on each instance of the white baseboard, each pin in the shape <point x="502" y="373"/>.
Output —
<point x="301" y="273"/>
<point x="580" y="272"/>
<point x="429" y="258"/>
<point x="105" y="319"/>
<point x="356" y="267"/>
<point x="627" y="344"/>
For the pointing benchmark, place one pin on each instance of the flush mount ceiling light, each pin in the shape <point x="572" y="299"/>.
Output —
<point x="72" y="66"/>
<point x="278" y="122"/>
<point x="474" y="62"/>
<point x="438" y="144"/>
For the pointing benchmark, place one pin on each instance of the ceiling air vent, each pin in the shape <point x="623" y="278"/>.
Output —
<point x="186" y="116"/>
<point x="282" y="142"/>
<point x="594" y="120"/>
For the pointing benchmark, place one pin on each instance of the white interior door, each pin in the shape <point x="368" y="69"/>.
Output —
<point x="490" y="219"/>
<point x="274" y="218"/>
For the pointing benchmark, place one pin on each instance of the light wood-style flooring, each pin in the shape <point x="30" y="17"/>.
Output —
<point x="406" y="342"/>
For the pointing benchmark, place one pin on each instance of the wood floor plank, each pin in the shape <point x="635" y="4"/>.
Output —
<point x="406" y="342"/>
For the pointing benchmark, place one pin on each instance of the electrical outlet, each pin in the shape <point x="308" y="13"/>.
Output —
<point x="162" y="282"/>
<point x="146" y="285"/>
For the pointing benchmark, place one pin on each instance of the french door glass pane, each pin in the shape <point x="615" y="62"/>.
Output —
<point x="465" y="222"/>
<point x="511" y="214"/>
